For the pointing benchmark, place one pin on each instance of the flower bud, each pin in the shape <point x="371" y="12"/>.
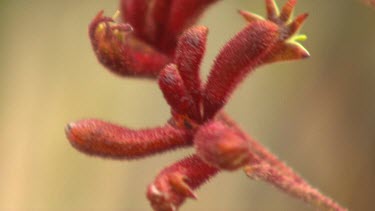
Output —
<point x="221" y="146"/>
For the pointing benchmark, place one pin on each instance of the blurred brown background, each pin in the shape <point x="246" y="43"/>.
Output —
<point x="318" y="114"/>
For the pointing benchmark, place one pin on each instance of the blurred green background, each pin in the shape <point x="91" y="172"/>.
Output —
<point x="318" y="115"/>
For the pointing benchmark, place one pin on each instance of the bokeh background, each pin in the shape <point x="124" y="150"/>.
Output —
<point x="318" y="115"/>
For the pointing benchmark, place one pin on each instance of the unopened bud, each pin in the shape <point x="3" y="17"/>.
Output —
<point x="221" y="146"/>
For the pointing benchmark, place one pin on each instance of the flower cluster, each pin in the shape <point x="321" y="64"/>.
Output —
<point x="158" y="41"/>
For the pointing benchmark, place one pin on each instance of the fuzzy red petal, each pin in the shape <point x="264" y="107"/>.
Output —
<point x="238" y="57"/>
<point x="175" y="92"/>
<point x="261" y="42"/>
<point x="188" y="57"/>
<point x="121" y="52"/>
<point x="157" y="20"/>
<point x="134" y="12"/>
<point x="96" y="137"/>
<point x="272" y="9"/>
<point x="183" y="14"/>
<point x="287" y="10"/>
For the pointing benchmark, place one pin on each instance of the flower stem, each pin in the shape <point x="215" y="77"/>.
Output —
<point x="269" y="168"/>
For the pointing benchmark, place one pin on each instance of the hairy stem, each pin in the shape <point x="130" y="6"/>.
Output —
<point x="269" y="168"/>
<point x="264" y="154"/>
<point x="305" y="192"/>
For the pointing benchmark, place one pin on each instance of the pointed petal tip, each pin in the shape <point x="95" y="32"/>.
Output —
<point x="297" y="23"/>
<point x="178" y="182"/>
<point x="306" y="55"/>
<point x="100" y="13"/>
<point x="287" y="10"/>
<point x="301" y="18"/>
<point x="191" y="194"/>
<point x="291" y="3"/>
<point x="272" y="9"/>
<point x="301" y="51"/>
<point x="305" y="15"/>
<point x="249" y="17"/>
<point x="70" y="125"/>
<point x="201" y="28"/>
<point x="68" y="129"/>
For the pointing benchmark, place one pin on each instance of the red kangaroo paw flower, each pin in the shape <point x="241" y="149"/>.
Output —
<point x="177" y="182"/>
<point x="121" y="52"/>
<point x="183" y="14"/>
<point x="261" y="42"/>
<point x="175" y="93"/>
<point x="221" y="146"/>
<point x="188" y="56"/>
<point x="132" y="12"/>
<point x="156" y="43"/>
<point x="96" y="137"/>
